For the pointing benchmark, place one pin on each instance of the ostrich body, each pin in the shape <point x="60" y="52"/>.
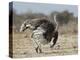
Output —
<point x="44" y="32"/>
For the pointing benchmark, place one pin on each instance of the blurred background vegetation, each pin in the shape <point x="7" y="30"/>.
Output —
<point x="66" y="20"/>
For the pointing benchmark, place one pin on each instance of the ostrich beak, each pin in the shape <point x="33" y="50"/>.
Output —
<point x="26" y="27"/>
<point x="22" y="30"/>
<point x="29" y="26"/>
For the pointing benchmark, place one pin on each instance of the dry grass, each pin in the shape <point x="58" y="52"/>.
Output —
<point x="67" y="44"/>
<point x="70" y="28"/>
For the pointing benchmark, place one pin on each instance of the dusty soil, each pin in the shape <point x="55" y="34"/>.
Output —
<point x="67" y="44"/>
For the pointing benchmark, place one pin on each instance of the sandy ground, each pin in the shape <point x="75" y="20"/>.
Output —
<point x="67" y="44"/>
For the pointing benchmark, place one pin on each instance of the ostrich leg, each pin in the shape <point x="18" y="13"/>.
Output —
<point x="38" y="49"/>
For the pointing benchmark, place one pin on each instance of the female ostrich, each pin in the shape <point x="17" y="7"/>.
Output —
<point x="44" y="32"/>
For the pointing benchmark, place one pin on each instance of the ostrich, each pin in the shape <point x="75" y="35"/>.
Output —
<point x="44" y="31"/>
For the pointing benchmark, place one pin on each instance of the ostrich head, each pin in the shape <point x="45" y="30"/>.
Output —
<point x="25" y="26"/>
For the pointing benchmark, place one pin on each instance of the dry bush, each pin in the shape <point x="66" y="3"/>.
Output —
<point x="70" y="28"/>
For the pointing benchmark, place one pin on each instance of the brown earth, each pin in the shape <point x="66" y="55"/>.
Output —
<point x="67" y="44"/>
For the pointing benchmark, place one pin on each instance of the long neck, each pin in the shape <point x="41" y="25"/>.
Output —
<point x="55" y="23"/>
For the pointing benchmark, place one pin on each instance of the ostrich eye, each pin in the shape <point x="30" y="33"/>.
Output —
<point x="24" y="24"/>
